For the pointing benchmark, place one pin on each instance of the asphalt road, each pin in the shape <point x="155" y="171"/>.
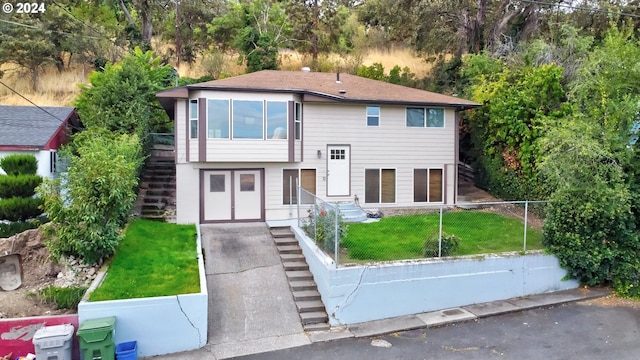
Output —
<point x="571" y="331"/>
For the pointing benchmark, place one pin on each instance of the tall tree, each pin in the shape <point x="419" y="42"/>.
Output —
<point x="258" y="29"/>
<point x="455" y="27"/>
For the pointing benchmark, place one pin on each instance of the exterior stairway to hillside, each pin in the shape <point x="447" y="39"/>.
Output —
<point x="305" y="291"/>
<point x="157" y="193"/>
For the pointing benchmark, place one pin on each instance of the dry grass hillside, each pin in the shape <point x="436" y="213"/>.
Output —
<point x="60" y="88"/>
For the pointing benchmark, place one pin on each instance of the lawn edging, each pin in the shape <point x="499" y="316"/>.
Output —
<point x="160" y="325"/>
<point x="376" y="291"/>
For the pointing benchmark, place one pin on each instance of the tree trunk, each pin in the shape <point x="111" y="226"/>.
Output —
<point x="126" y="12"/>
<point x="34" y="77"/>
<point x="178" y="38"/>
<point x="147" y="20"/>
<point x="314" y="35"/>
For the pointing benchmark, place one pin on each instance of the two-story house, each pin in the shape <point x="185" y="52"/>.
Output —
<point x="242" y="142"/>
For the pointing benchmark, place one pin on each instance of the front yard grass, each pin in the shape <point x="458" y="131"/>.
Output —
<point x="153" y="259"/>
<point x="403" y="237"/>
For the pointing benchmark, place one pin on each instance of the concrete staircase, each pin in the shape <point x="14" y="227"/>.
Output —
<point x="352" y="213"/>
<point x="305" y="291"/>
<point x="157" y="193"/>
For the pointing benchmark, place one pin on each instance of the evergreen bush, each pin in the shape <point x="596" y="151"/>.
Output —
<point x="18" y="185"/>
<point x="19" y="164"/>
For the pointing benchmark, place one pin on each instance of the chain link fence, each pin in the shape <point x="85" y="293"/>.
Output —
<point x="422" y="232"/>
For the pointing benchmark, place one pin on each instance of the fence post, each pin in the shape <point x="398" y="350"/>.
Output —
<point x="314" y="217"/>
<point x="290" y="196"/>
<point x="298" y="199"/>
<point x="336" y="242"/>
<point x="440" y="235"/>
<point x="526" y="218"/>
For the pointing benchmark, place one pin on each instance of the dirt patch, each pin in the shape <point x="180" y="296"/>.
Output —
<point x="38" y="271"/>
<point x="612" y="301"/>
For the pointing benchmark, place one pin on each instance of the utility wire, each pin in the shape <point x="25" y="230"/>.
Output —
<point x="90" y="27"/>
<point x="579" y="8"/>
<point x="47" y="30"/>
<point x="36" y="105"/>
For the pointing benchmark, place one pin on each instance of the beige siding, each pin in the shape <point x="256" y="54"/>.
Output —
<point x="181" y="132"/>
<point x="247" y="150"/>
<point x="187" y="194"/>
<point x="391" y="145"/>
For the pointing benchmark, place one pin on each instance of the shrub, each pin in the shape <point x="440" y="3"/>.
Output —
<point x="18" y="209"/>
<point x="450" y="243"/>
<point x="63" y="298"/>
<point x="18" y="186"/>
<point x="19" y="164"/>
<point x="321" y="227"/>
<point x="99" y="190"/>
<point x="12" y="228"/>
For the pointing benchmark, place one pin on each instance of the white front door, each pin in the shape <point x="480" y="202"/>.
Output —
<point x="248" y="195"/>
<point x="217" y="195"/>
<point x="338" y="170"/>
<point x="232" y="195"/>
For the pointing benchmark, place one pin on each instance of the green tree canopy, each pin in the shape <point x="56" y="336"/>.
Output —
<point x="122" y="97"/>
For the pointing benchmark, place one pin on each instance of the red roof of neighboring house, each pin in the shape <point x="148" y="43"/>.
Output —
<point x="33" y="128"/>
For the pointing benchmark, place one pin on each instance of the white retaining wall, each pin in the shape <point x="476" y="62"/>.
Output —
<point x="362" y="293"/>
<point x="160" y="325"/>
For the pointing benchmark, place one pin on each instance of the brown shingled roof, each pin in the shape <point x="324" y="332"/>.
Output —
<point x="350" y="88"/>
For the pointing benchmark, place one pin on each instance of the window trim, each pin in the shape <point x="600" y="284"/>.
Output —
<point x="367" y="115"/>
<point x="395" y="185"/>
<point x="299" y="176"/>
<point x="297" y="120"/>
<point x="193" y="119"/>
<point x="442" y="185"/>
<point x="228" y="119"/>
<point x="233" y="135"/>
<point x="266" y="120"/>
<point x="425" y="117"/>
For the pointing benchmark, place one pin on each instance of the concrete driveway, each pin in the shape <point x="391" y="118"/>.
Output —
<point x="251" y="308"/>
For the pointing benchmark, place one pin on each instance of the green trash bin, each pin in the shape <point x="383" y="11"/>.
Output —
<point x="96" y="338"/>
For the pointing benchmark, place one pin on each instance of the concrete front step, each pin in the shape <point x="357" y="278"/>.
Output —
<point x="286" y="241"/>
<point x="289" y="249"/>
<point x="306" y="295"/>
<point x="314" y="317"/>
<point x="299" y="275"/>
<point x="292" y="257"/>
<point x="295" y="265"/>
<point x="322" y="326"/>
<point x="302" y="285"/>
<point x="281" y="233"/>
<point x="307" y="306"/>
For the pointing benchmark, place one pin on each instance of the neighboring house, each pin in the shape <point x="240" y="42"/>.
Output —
<point x="242" y="142"/>
<point x="35" y="131"/>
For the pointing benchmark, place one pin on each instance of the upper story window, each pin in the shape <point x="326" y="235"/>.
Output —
<point x="373" y="115"/>
<point x="276" y="120"/>
<point x="193" y="119"/>
<point x="218" y="119"/>
<point x="425" y="117"/>
<point x="298" y="120"/>
<point x="248" y="119"/>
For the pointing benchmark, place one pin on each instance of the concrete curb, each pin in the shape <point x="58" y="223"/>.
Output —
<point x="454" y="315"/>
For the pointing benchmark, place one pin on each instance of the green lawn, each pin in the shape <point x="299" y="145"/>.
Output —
<point x="153" y="259"/>
<point x="403" y="237"/>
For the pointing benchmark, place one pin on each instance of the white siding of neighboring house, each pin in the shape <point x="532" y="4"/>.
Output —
<point x="391" y="145"/>
<point x="43" y="157"/>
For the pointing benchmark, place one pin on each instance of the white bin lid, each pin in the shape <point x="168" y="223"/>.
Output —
<point x="64" y="332"/>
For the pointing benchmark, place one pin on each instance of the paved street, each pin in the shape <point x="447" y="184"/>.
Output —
<point x="581" y="330"/>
